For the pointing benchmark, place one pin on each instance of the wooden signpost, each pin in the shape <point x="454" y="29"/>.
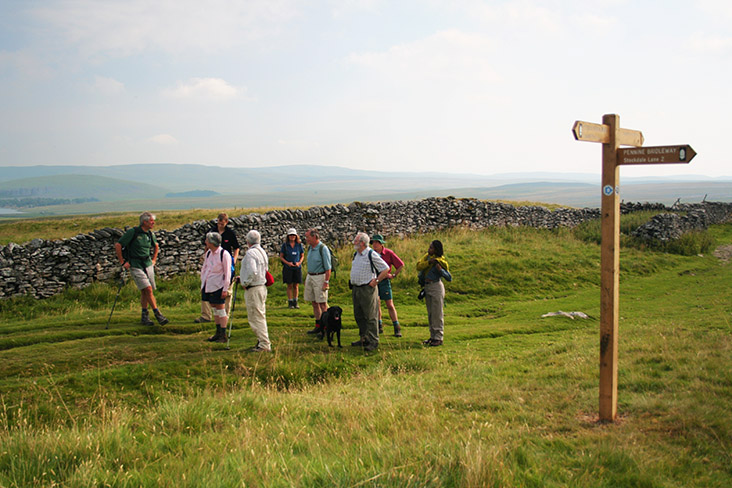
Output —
<point x="612" y="137"/>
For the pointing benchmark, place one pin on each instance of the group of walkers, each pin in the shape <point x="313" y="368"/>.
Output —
<point x="372" y="270"/>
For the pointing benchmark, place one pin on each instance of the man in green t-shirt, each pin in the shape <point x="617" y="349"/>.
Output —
<point x="140" y="256"/>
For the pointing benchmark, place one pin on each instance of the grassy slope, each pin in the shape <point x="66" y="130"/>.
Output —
<point x="510" y="400"/>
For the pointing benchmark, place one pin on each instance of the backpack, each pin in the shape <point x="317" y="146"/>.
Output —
<point x="333" y="261"/>
<point x="126" y="249"/>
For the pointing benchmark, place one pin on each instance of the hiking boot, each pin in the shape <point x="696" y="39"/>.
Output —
<point x="316" y="330"/>
<point x="160" y="317"/>
<point x="435" y="343"/>
<point x="145" y="318"/>
<point x="201" y="320"/>
<point x="397" y="330"/>
<point x="381" y="329"/>
<point x="358" y="343"/>
<point x="217" y="335"/>
<point x="294" y="304"/>
<point x="427" y="342"/>
<point x="222" y="338"/>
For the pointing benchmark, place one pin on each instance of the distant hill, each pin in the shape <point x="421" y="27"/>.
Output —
<point x="192" y="194"/>
<point x="78" y="186"/>
<point x="184" y="186"/>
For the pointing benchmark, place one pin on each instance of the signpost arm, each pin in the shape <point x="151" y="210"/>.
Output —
<point x="610" y="272"/>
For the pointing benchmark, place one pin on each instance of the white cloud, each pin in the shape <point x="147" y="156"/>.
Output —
<point x="126" y="27"/>
<point x="214" y="89"/>
<point x="25" y="64"/>
<point x="447" y="55"/>
<point x="711" y="44"/>
<point x="163" y="140"/>
<point x="597" y="24"/>
<point x="107" y="86"/>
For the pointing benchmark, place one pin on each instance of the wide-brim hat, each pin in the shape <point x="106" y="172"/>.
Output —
<point x="378" y="238"/>
<point x="292" y="232"/>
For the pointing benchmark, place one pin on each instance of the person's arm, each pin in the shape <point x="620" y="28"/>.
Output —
<point x="227" y="273"/>
<point x="326" y="283"/>
<point x="379" y="263"/>
<point x="155" y="254"/>
<point x="246" y="271"/>
<point x="118" y="252"/>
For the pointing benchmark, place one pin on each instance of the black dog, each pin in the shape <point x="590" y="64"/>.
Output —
<point x="330" y="323"/>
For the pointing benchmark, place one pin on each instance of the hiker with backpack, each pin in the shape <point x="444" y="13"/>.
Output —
<point x="215" y="280"/>
<point x="317" y="281"/>
<point x="229" y="243"/>
<point x="368" y="269"/>
<point x="137" y="251"/>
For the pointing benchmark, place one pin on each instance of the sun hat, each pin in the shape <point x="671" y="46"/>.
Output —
<point x="378" y="238"/>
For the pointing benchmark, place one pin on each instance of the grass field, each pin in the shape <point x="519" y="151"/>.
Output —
<point x="510" y="400"/>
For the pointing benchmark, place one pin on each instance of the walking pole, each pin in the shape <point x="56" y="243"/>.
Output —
<point x="121" y="284"/>
<point x="233" y="306"/>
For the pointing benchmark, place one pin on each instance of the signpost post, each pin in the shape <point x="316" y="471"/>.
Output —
<point x="612" y="137"/>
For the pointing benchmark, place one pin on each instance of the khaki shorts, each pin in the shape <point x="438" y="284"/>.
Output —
<point x="314" y="289"/>
<point x="143" y="277"/>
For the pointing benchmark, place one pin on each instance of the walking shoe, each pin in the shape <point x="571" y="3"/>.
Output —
<point x="397" y="330"/>
<point x="258" y="348"/>
<point x="435" y="343"/>
<point x="145" y="318"/>
<point x="294" y="304"/>
<point x="427" y="342"/>
<point x="316" y="330"/>
<point x="358" y="343"/>
<point x="381" y="329"/>
<point x="201" y="320"/>
<point x="160" y="317"/>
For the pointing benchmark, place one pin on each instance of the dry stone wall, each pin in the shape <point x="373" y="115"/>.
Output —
<point x="42" y="268"/>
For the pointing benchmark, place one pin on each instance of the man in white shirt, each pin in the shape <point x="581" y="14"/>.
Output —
<point x="367" y="271"/>
<point x="254" y="267"/>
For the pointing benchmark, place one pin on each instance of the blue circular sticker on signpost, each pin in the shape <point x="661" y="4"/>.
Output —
<point x="607" y="190"/>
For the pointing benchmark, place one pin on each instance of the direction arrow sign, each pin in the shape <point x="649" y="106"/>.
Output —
<point x="656" y="155"/>
<point x="587" y="131"/>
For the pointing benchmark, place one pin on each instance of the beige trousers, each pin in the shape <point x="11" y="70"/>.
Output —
<point x="256" y="298"/>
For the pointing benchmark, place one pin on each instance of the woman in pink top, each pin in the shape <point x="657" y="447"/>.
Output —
<point x="215" y="280"/>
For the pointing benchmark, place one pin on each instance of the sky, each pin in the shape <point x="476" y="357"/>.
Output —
<point x="457" y="86"/>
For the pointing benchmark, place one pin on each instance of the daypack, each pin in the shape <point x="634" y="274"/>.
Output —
<point x="333" y="261"/>
<point x="126" y="250"/>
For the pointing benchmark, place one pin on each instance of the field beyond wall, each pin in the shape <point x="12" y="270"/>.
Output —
<point x="509" y="400"/>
